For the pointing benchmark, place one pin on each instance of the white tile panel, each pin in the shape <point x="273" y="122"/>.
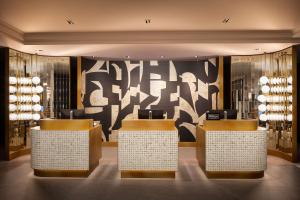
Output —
<point x="236" y="150"/>
<point x="148" y="150"/>
<point x="60" y="150"/>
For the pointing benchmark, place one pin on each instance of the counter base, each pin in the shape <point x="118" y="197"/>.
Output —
<point x="147" y="174"/>
<point x="64" y="173"/>
<point x="235" y="175"/>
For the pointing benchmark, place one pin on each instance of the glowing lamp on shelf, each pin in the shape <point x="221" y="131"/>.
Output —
<point x="26" y="90"/>
<point x="12" y="89"/>
<point x="37" y="107"/>
<point x="289" y="89"/>
<point x="263" y="80"/>
<point x="36" y="98"/>
<point x="289" y="117"/>
<point x="12" y="98"/>
<point x="262" y="98"/>
<point x="291" y="108"/>
<point x="263" y="117"/>
<point x="24" y="116"/>
<point x="26" y="107"/>
<point x="12" y="80"/>
<point x="36" y="80"/>
<point x="290" y="80"/>
<point x="262" y="107"/>
<point x="39" y="89"/>
<point x="36" y="116"/>
<point x="13" y="116"/>
<point x="24" y="81"/>
<point x="12" y="107"/>
<point x="265" y="89"/>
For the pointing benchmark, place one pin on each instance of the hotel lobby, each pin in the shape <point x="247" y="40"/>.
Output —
<point x="149" y="99"/>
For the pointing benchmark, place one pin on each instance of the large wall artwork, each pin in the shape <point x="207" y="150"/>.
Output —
<point x="115" y="90"/>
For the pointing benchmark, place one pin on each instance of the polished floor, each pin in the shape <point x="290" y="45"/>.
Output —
<point x="281" y="181"/>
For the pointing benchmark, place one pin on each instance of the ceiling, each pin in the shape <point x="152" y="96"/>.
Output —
<point x="178" y="29"/>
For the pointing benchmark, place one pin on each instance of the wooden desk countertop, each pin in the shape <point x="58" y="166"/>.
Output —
<point x="230" y="125"/>
<point x="148" y="124"/>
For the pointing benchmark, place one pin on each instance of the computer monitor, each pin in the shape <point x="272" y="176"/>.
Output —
<point x="79" y="114"/>
<point x="231" y="114"/>
<point x="214" y="115"/>
<point x="219" y="114"/>
<point x="65" y="113"/>
<point x="145" y="114"/>
<point x="157" y="114"/>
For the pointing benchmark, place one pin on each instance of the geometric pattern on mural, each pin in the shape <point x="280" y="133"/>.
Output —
<point x="115" y="90"/>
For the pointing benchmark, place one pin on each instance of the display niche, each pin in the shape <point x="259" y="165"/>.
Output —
<point x="32" y="90"/>
<point x="262" y="88"/>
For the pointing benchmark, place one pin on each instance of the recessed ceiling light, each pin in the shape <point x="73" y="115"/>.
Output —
<point x="161" y="56"/>
<point x="147" y="21"/>
<point x="226" y="20"/>
<point x="69" y="21"/>
<point x="196" y="56"/>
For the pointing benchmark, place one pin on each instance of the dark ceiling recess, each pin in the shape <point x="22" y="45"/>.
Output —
<point x="147" y="21"/>
<point x="69" y="21"/>
<point x="225" y="21"/>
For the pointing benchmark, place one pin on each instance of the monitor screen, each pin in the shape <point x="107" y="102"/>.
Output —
<point x="145" y="114"/>
<point x="78" y="114"/>
<point x="65" y="113"/>
<point x="157" y="114"/>
<point x="231" y="114"/>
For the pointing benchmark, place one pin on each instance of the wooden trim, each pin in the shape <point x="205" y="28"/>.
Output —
<point x="280" y="154"/>
<point x="230" y="125"/>
<point x="221" y="83"/>
<point x="63" y="173"/>
<point x="148" y="174"/>
<point x="21" y="152"/>
<point x="66" y="124"/>
<point x="187" y="144"/>
<point x="148" y="124"/>
<point x="180" y="144"/>
<point x="234" y="175"/>
<point x="201" y="147"/>
<point x="79" y="85"/>
<point x="95" y="143"/>
<point x="110" y="144"/>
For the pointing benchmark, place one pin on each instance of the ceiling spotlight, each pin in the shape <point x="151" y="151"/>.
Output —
<point x="225" y="20"/>
<point x="161" y="56"/>
<point x="69" y="21"/>
<point x="147" y="21"/>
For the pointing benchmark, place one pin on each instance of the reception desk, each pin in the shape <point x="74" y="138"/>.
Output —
<point x="148" y="148"/>
<point x="231" y="149"/>
<point x="67" y="148"/>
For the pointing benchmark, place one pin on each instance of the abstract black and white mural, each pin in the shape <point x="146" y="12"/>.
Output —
<point x="115" y="90"/>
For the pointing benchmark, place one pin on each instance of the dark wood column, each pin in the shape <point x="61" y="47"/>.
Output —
<point x="73" y="84"/>
<point x="227" y="82"/>
<point x="4" y="101"/>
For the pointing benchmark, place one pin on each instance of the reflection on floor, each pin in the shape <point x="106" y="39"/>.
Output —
<point x="281" y="181"/>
